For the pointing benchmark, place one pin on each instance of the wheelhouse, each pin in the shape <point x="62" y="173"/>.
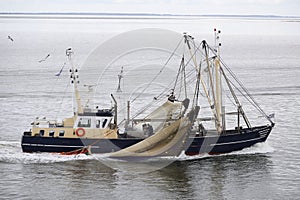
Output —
<point x="101" y="119"/>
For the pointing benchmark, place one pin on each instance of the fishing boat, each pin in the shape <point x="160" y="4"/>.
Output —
<point x="177" y="125"/>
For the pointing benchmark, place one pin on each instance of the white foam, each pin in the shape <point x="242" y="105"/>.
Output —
<point x="259" y="148"/>
<point x="32" y="158"/>
<point x="12" y="153"/>
<point x="184" y="157"/>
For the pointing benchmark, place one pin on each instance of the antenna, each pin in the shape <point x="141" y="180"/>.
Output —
<point x="120" y="76"/>
<point x="74" y="79"/>
<point x="217" y="42"/>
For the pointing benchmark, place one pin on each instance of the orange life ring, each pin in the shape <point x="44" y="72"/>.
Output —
<point x="80" y="132"/>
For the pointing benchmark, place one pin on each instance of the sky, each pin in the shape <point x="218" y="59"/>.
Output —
<point x="201" y="7"/>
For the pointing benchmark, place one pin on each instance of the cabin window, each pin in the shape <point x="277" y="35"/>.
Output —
<point x="84" y="122"/>
<point x="42" y="132"/>
<point x="51" y="133"/>
<point x="104" y="123"/>
<point x="61" y="133"/>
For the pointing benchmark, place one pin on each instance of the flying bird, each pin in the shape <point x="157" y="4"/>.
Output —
<point x="44" y="58"/>
<point x="58" y="74"/>
<point x="10" y="38"/>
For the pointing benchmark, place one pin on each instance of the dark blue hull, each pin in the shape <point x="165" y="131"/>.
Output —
<point x="225" y="143"/>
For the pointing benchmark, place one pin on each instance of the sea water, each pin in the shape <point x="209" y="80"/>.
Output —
<point x="263" y="52"/>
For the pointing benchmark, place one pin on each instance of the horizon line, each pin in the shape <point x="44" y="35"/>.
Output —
<point x="147" y="14"/>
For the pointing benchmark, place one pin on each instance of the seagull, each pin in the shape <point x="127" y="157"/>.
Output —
<point x="90" y="87"/>
<point x="58" y="74"/>
<point x="44" y="58"/>
<point x="10" y="38"/>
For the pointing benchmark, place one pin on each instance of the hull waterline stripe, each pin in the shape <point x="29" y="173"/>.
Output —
<point x="49" y="145"/>
<point x="237" y="141"/>
<point x="216" y="144"/>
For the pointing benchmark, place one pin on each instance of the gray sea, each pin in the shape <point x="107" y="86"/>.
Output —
<point x="263" y="52"/>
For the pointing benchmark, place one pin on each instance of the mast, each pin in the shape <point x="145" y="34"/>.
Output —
<point x="186" y="40"/>
<point x="215" y="85"/>
<point x="218" y="102"/>
<point x="74" y="80"/>
<point x="128" y="115"/>
<point x="115" y="109"/>
<point x="219" y="71"/>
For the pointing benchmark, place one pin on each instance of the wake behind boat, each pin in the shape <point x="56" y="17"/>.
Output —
<point x="179" y="124"/>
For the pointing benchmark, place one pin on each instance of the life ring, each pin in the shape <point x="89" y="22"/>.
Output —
<point x="80" y="132"/>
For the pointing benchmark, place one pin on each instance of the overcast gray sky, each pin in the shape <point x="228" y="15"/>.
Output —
<point x="253" y="7"/>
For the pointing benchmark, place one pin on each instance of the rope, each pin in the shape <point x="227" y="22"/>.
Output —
<point x="189" y="76"/>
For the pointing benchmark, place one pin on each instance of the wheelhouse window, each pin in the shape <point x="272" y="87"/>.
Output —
<point x="42" y="132"/>
<point x="97" y="123"/>
<point x="104" y="123"/>
<point x="51" y="133"/>
<point x="61" y="133"/>
<point x="84" y="122"/>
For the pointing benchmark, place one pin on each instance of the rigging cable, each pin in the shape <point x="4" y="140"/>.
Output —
<point x="160" y="71"/>
<point x="247" y="95"/>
